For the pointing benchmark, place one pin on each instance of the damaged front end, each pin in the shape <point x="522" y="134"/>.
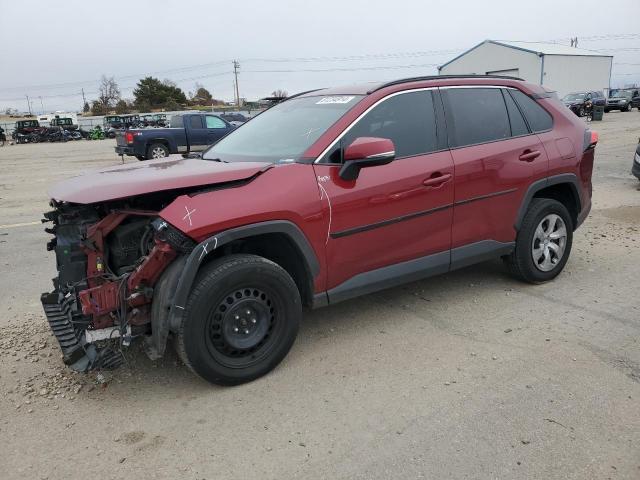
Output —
<point x="110" y="258"/>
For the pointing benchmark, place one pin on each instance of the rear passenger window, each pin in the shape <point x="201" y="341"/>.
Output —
<point x="538" y="118"/>
<point x="196" y="122"/>
<point x="475" y="115"/>
<point x="408" y="120"/>
<point x="518" y="125"/>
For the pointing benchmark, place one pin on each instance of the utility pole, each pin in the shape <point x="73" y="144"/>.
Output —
<point x="28" y="104"/>
<point x="236" y="66"/>
<point x="42" y="105"/>
<point x="84" y="100"/>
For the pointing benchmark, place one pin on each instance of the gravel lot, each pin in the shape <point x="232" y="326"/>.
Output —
<point x="469" y="375"/>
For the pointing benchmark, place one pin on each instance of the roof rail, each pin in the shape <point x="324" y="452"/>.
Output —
<point x="303" y="93"/>
<point x="438" y="77"/>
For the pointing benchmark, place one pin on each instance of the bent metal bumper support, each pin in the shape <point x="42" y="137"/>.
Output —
<point x="71" y="313"/>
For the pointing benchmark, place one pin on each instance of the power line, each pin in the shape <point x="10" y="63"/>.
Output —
<point x="316" y="59"/>
<point x="124" y="77"/>
<point x="129" y="87"/>
<point x="344" y="69"/>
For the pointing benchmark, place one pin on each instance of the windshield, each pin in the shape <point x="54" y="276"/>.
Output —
<point x="282" y="132"/>
<point x="621" y="94"/>
<point x="574" y="96"/>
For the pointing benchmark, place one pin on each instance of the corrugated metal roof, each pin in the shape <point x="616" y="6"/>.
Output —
<point x="549" y="48"/>
<point x="539" y="48"/>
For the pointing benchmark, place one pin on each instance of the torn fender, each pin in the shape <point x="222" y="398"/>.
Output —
<point x="173" y="288"/>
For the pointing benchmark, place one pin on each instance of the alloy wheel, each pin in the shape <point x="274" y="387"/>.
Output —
<point x="549" y="242"/>
<point x="158" y="152"/>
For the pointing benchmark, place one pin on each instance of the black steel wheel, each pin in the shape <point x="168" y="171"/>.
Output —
<point x="241" y="319"/>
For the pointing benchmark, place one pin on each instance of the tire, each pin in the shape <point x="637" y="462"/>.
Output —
<point x="625" y="109"/>
<point x="141" y="157"/>
<point x="523" y="262"/>
<point x="219" y="338"/>
<point x="581" y="112"/>
<point x="157" y="150"/>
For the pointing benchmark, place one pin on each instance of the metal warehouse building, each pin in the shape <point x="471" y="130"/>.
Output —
<point x="557" y="67"/>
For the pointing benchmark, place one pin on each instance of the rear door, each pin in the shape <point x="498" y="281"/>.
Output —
<point x="391" y="213"/>
<point x="496" y="157"/>
<point x="197" y="133"/>
<point x="216" y="128"/>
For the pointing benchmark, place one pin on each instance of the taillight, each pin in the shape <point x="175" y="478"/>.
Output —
<point x="128" y="137"/>
<point x="590" y="139"/>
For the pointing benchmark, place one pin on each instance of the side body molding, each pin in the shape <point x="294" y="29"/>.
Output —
<point x="200" y="252"/>
<point x="569" y="178"/>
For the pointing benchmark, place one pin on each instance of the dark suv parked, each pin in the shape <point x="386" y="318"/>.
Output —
<point x="621" y="99"/>
<point x="328" y="195"/>
<point x="581" y="103"/>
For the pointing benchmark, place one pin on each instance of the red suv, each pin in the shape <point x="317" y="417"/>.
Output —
<point x="328" y="195"/>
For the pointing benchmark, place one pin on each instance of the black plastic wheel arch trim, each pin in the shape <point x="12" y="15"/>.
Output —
<point x="569" y="178"/>
<point x="206" y="247"/>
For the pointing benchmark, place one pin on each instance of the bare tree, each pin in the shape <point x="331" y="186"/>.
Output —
<point x="169" y="83"/>
<point x="109" y="92"/>
<point x="279" y="93"/>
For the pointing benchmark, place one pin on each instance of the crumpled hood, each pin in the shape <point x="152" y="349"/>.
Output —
<point x="124" y="181"/>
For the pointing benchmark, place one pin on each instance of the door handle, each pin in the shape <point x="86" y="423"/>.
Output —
<point x="437" y="180"/>
<point x="529" y="155"/>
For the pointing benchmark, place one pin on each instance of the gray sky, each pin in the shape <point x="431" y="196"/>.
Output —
<point x="55" y="49"/>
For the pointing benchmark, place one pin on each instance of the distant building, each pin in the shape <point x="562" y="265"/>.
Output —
<point x="557" y="67"/>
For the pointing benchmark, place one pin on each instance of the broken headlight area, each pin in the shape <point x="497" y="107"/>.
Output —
<point x="108" y="262"/>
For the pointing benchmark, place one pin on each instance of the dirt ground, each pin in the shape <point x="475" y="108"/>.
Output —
<point x="469" y="375"/>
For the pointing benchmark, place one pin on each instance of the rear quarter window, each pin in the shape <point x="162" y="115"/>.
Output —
<point x="538" y="118"/>
<point x="176" y="122"/>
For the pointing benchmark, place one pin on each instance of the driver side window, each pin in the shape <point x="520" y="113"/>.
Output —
<point x="407" y="119"/>
<point x="215" y="122"/>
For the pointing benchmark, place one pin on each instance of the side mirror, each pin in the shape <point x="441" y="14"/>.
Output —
<point x="366" y="152"/>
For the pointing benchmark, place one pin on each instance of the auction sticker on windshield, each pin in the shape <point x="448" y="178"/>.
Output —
<point x="326" y="100"/>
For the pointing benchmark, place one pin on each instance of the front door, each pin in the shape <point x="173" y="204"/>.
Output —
<point x="391" y="213"/>
<point x="216" y="128"/>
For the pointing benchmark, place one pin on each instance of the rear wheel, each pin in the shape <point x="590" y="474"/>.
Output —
<point x="581" y="112"/>
<point x="157" y="150"/>
<point x="240" y="321"/>
<point x="543" y="243"/>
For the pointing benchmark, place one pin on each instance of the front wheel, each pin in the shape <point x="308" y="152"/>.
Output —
<point x="157" y="150"/>
<point x="240" y="321"/>
<point x="581" y="112"/>
<point x="543" y="243"/>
